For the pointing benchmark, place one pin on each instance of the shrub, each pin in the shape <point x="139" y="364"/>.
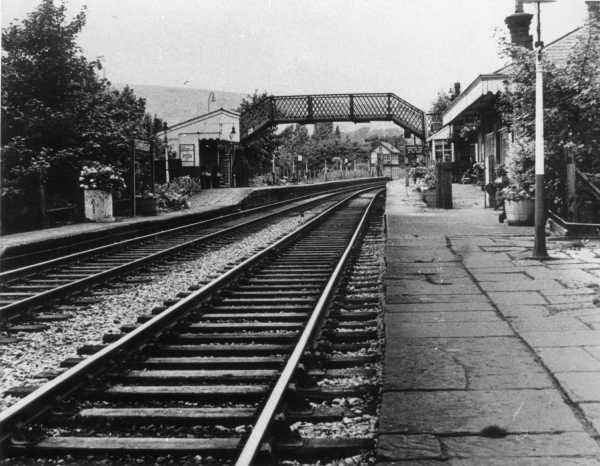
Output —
<point x="173" y="196"/>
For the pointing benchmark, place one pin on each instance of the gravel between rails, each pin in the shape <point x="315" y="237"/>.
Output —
<point x="40" y="351"/>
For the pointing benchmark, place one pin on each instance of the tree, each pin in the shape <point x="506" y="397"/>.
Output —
<point x="571" y="107"/>
<point x="55" y="106"/>
<point x="323" y="131"/>
<point x="258" y="153"/>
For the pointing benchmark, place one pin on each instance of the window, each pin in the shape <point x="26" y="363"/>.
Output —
<point x="387" y="158"/>
<point x="504" y="140"/>
<point x="443" y="149"/>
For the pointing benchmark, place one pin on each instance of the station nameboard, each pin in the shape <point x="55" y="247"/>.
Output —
<point x="142" y="146"/>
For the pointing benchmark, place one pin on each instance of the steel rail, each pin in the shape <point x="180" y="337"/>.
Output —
<point x="313" y="325"/>
<point x="49" y="264"/>
<point x="37" y="403"/>
<point x="10" y="310"/>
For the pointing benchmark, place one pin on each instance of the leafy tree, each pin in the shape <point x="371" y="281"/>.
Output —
<point x="258" y="153"/>
<point x="441" y="103"/>
<point x="571" y="106"/>
<point x="57" y="115"/>
<point x="338" y="133"/>
<point x="323" y="131"/>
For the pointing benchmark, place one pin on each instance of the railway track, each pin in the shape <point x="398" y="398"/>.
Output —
<point x="258" y="346"/>
<point x="32" y="296"/>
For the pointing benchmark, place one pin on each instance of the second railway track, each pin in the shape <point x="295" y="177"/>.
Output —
<point x="250" y="348"/>
<point x="34" y="295"/>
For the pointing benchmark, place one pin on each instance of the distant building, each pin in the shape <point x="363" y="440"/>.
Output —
<point x="206" y="148"/>
<point x="389" y="158"/>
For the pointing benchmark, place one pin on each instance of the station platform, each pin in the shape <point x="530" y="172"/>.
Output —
<point x="491" y="358"/>
<point x="21" y="249"/>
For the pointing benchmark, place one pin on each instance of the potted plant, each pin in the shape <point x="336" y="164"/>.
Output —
<point x="519" y="205"/>
<point x="519" y="196"/>
<point x="150" y="204"/>
<point x="99" y="182"/>
<point x="427" y="187"/>
<point x="501" y="174"/>
<point x="478" y="171"/>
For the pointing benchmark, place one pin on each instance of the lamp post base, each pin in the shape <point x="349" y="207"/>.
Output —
<point x="539" y="245"/>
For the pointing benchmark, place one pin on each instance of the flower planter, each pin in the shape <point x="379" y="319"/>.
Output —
<point x="520" y="213"/>
<point x="430" y="197"/>
<point x="98" y="205"/>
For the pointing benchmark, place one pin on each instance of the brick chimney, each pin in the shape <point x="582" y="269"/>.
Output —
<point x="593" y="10"/>
<point x="518" y="25"/>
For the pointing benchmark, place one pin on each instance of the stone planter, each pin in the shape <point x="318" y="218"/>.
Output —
<point x="520" y="213"/>
<point x="98" y="205"/>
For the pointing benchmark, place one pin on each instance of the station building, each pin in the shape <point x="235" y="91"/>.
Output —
<point x="473" y="130"/>
<point x="206" y="148"/>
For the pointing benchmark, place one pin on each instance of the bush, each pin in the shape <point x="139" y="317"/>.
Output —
<point x="174" y="196"/>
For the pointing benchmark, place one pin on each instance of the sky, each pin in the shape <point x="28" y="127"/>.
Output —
<point x="413" y="48"/>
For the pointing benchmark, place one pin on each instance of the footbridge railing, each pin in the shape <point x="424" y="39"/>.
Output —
<point x="310" y="109"/>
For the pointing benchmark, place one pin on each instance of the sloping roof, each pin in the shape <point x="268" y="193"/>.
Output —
<point x="557" y="51"/>
<point x="206" y="116"/>
<point x="443" y="133"/>
<point x="389" y="147"/>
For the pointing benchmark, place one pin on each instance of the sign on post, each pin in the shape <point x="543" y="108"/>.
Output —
<point x="139" y="145"/>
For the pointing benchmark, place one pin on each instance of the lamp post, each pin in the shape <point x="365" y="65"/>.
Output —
<point x="539" y="245"/>
<point x="212" y="94"/>
<point x="165" y="129"/>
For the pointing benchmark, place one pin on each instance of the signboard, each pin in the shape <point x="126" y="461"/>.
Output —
<point x="187" y="152"/>
<point x="415" y="150"/>
<point x="299" y="158"/>
<point x="142" y="146"/>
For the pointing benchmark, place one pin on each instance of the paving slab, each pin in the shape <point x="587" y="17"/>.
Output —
<point x="516" y="297"/>
<point x="408" y="447"/>
<point x="592" y="413"/>
<point x="421" y="287"/>
<point x="399" y="329"/>
<point x="441" y="298"/>
<point x="468" y="412"/>
<point x="521" y="284"/>
<point x="418" y="256"/>
<point x="523" y="445"/>
<point x="546" y="339"/>
<point x="480" y="305"/>
<point x="568" y="359"/>
<point x="462" y="364"/>
<point x="580" y="386"/>
<point x="456" y="316"/>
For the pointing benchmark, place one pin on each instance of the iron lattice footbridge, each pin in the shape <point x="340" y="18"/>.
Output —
<point x="310" y="109"/>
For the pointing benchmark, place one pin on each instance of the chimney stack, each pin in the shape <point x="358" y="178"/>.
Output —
<point x="456" y="89"/>
<point x="518" y="25"/>
<point x="593" y="10"/>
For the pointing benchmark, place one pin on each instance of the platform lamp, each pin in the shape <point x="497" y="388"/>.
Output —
<point x="211" y="98"/>
<point x="539" y="245"/>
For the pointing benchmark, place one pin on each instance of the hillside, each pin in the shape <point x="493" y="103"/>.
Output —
<point x="177" y="104"/>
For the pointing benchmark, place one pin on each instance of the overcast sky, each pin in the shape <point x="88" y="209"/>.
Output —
<point x="413" y="48"/>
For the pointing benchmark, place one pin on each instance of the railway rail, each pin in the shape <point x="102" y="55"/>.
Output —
<point x="29" y="295"/>
<point x="249" y="348"/>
